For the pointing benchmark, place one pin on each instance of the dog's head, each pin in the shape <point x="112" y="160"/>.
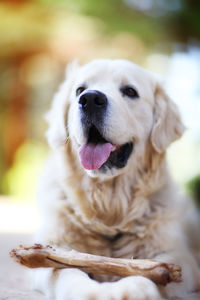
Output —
<point x="111" y="110"/>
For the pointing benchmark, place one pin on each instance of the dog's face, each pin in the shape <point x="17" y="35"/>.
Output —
<point x="111" y="113"/>
<point x="115" y="109"/>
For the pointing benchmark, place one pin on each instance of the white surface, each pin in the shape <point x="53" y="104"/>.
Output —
<point x="18" y="217"/>
<point x="14" y="279"/>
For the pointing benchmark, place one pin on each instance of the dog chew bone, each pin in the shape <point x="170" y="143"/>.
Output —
<point x="38" y="256"/>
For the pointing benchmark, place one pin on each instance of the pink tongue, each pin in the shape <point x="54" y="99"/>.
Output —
<point x="93" y="156"/>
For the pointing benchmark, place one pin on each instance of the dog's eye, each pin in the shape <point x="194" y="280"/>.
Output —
<point x="129" y="91"/>
<point x="79" y="90"/>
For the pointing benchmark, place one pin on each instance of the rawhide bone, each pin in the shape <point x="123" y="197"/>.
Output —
<point x="38" y="256"/>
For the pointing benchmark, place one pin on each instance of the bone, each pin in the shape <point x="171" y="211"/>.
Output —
<point x="38" y="256"/>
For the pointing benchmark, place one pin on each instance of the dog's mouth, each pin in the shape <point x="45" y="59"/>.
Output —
<point x="98" y="152"/>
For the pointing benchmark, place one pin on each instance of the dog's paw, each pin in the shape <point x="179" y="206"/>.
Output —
<point x="132" y="288"/>
<point x="89" y="291"/>
<point x="129" y="288"/>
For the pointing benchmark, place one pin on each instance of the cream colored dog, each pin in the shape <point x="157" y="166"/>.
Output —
<point x="106" y="189"/>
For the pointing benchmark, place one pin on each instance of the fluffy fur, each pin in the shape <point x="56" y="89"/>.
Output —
<point x="135" y="211"/>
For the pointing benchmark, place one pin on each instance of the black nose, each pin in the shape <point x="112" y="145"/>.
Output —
<point x="93" y="101"/>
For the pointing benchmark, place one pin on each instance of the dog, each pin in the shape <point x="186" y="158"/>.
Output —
<point x="106" y="189"/>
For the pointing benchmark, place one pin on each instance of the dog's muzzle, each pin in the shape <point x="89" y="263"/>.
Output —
<point x="98" y="152"/>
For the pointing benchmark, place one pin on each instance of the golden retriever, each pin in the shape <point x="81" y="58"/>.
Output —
<point x="106" y="189"/>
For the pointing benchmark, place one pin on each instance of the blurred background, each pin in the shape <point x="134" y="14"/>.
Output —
<point x="39" y="37"/>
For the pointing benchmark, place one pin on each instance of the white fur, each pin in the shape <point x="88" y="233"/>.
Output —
<point x="81" y="207"/>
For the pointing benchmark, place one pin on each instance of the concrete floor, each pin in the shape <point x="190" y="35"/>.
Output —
<point x="14" y="283"/>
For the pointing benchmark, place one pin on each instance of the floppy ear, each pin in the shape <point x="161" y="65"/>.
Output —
<point x="167" y="123"/>
<point x="56" y="117"/>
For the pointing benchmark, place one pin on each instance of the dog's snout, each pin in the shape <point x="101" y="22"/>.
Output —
<point x="93" y="101"/>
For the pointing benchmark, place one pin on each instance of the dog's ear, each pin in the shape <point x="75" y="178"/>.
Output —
<point x="57" y="116"/>
<point x="167" y="123"/>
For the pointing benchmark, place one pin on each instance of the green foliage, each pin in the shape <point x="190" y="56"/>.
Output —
<point x="177" y="22"/>
<point x="193" y="188"/>
<point x="34" y="22"/>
